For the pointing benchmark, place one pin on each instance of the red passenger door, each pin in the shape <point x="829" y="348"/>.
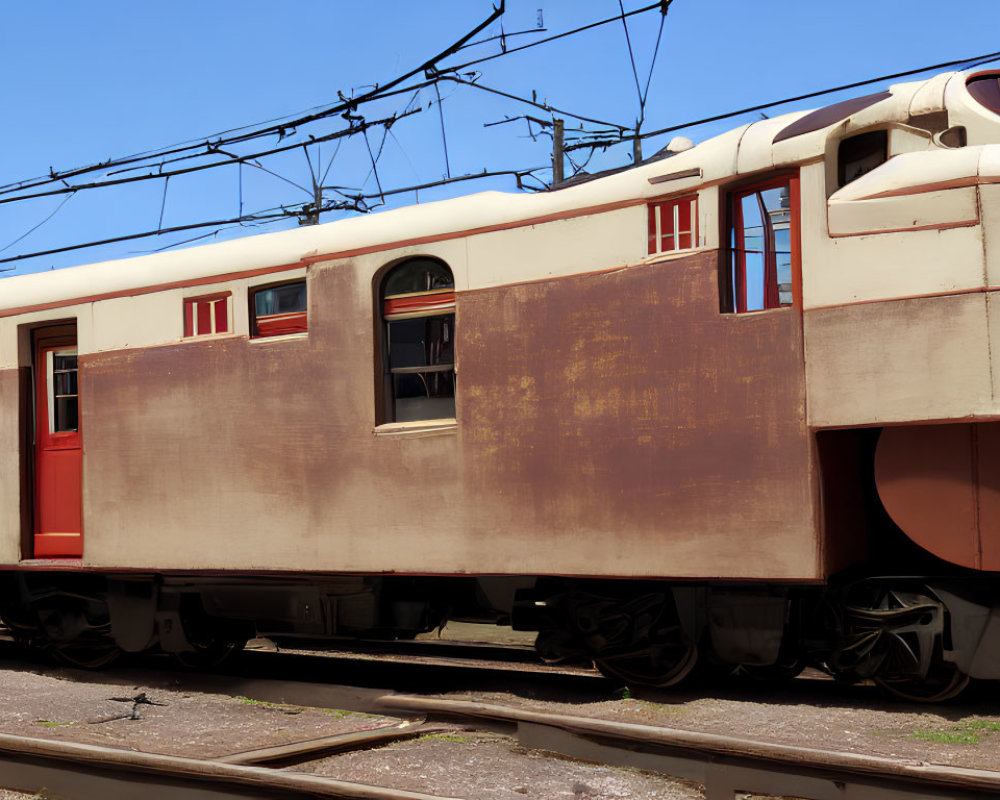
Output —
<point x="58" y="446"/>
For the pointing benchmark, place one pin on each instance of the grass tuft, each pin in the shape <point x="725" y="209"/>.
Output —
<point x="968" y="731"/>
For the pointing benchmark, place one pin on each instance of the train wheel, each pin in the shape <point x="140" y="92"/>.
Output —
<point x="779" y="672"/>
<point x="949" y="683"/>
<point x="210" y="654"/>
<point x="659" y="665"/>
<point x="86" y="655"/>
<point x="894" y="636"/>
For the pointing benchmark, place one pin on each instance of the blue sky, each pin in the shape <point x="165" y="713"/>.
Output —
<point x="84" y="82"/>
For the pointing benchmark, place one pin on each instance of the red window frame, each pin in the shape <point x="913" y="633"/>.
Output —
<point x="208" y="315"/>
<point x="734" y="259"/>
<point x="673" y="225"/>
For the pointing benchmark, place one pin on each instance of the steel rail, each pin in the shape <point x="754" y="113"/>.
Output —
<point x="88" y="771"/>
<point x="725" y="765"/>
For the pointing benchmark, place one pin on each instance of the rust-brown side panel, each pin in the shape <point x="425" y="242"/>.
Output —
<point x="611" y="424"/>
<point x="627" y="404"/>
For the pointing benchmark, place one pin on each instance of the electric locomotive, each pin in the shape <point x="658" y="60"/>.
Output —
<point x="734" y="407"/>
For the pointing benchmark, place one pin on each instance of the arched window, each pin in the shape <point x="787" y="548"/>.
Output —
<point x="417" y="304"/>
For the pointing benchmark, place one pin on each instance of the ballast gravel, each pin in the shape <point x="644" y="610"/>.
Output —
<point x="963" y="733"/>
<point x="174" y="719"/>
<point x="91" y="708"/>
<point x="487" y="766"/>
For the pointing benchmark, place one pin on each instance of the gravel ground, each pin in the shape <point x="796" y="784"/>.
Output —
<point x="83" y="707"/>
<point x="66" y="706"/>
<point x="80" y="707"/>
<point x="482" y="766"/>
<point x="966" y="735"/>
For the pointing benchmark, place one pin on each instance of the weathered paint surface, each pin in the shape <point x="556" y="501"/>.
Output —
<point x="611" y="424"/>
<point x="627" y="405"/>
<point x="941" y="484"/>
<point x="902" y="361"/>
<point x="10" y="467"/>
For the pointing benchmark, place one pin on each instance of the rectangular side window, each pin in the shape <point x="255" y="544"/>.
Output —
<point x="204" y="316"/>
<point x="673" y="225"/>
<point x="762" y="246"/>
<point x="279" y="310"/>
<point x="421" y="358"/>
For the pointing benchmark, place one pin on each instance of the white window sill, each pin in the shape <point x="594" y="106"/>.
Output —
<point x="420" y="427"/>
<point x="285" y="337"/>
<point x="671" y="255"/>
<point x="209" y="337"/>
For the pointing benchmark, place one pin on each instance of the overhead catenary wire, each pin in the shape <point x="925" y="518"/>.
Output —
<point x="34" y="228"/>
<point x="590" y="26"/>
<point x="346" y="104"/>
<point x="212" y="145"/>
<point x="983" y="59"/>
<point x="353" y="202"/>
<point x="355" y="128"/>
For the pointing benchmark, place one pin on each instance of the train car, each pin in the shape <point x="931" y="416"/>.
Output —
<point x="734" y="407"/>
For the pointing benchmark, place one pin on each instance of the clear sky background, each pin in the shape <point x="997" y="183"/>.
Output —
<point x="84" y="82"/>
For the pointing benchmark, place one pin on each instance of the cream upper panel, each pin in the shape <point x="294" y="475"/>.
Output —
<point x="443" y="219"/>
<point x="141" y="321"/>
<point x="756" y="151"/>
<point x="15" y="352"/>
<point x="929" y="95"/>
<point x="989" y="194"/>
<point x="851" y="269"/>
<point x="566" y="247"/>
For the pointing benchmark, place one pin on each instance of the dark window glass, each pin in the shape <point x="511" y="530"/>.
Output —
<point x="281" y="299"/>
<point x="65" y="395"/>
<point x="418" y="275"/>
<point x="861" y="154"/>
<point x="985" y="90"/>
<point x="417" y="305"/>
<point x="422" y="366"/>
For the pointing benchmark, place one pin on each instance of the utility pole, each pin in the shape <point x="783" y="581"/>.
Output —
<point x="557" y="152"/>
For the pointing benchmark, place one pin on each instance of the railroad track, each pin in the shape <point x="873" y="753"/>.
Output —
<point x="725" y="766"/>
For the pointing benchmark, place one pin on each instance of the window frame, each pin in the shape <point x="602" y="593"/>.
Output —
<point x="732" y="280"/>
<point x="385" y="406"/>
<point x="654" y="224"/>
<point x="252" y="293"/>
<point x="191" y="304"/>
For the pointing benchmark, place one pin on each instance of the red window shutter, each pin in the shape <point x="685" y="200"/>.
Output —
<point x="282" y="324"/>
<point x="189" y="318"/>
<point x="652" y="230"/>
<point x="222" y="315"/>
<point x="684" y="229"/>
<point x="667" y="241"/>
<point x="204" y="324"/>
<point x="420" y="305"/>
